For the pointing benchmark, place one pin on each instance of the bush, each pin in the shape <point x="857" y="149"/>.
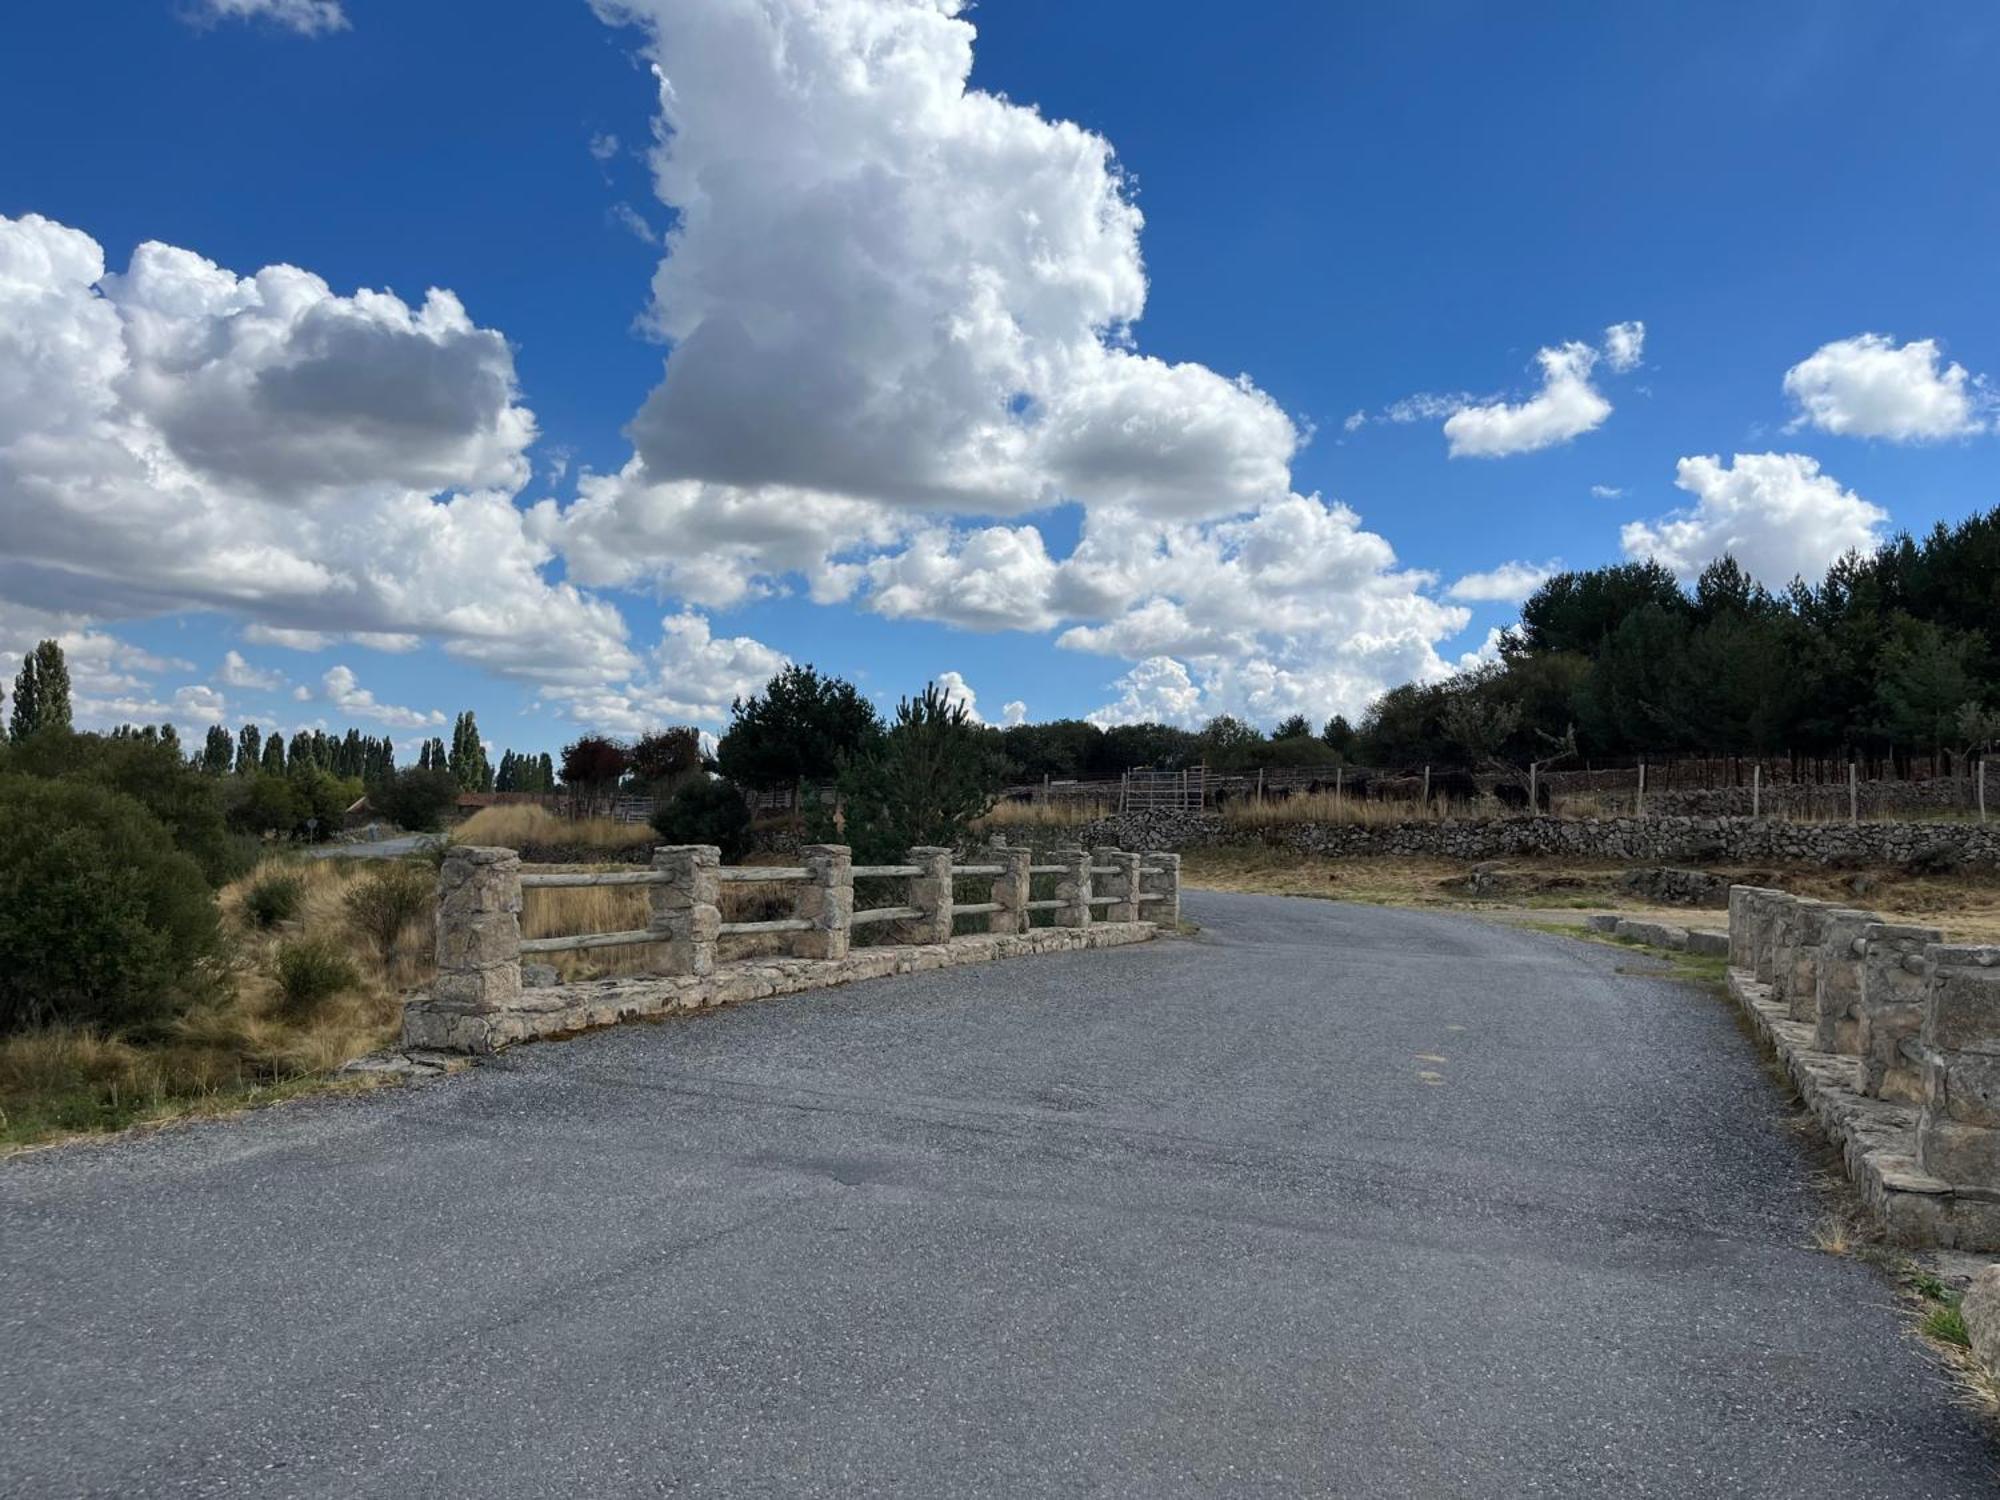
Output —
<point x="416" y="799"/>
<point x="311" y="971"/>
<point x="154" y="774"/>
<point x="272" y="899"/>
<point x="102" y="921"/>
<point x="383" y="903"/>
<point x="706" y="812"/>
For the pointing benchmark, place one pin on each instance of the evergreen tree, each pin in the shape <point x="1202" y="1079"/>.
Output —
<point x="468" y="764"/>
<point x="249" y="746"/>
<point x="273" y="762"/>
<point x="545" y="773"/>
<point x="41" y="692"/>
<point x="218" y="751"/>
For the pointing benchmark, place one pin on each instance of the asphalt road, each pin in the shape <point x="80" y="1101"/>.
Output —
<point x="1329" y="1201"/>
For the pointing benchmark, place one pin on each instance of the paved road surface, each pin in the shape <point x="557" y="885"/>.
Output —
<point x="1331" y="1201"/>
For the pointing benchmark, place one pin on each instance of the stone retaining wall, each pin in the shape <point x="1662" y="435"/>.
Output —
<point x="1893" y="1040"/>
<point x="1648" y="840"/>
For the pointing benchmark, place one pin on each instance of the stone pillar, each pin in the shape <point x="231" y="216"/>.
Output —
<point x="1958" y="1129"/>
<point x="1167" y="884"/>
<point x="1124" y="885"/>
<point x="686" y="908"/>
<point x="478" y="951"/>
<point x="1072" y="887"/>
<point x="1837" y="978"/>
<point x="1743" y="901"/>
<point x="827" y="902"/>
<point x="1767" y="909"/>
<point x="930" y="894"/>
<point x="1010" y="889"/>
<point x="1795" y="956"/>
<point x="1891" y="1009"/>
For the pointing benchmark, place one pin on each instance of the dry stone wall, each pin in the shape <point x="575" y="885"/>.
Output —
<point x="1641" y="840"/>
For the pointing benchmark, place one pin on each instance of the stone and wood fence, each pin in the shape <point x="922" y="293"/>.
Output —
<point x="482" y="1000"/>
<point x="1892" y="1036"/>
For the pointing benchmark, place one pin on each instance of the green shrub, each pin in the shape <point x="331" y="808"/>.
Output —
<point x="102" y="921"/>
<point x="385" y="901"/>
<point x="155" y="775"/>
<point x="706" y="812"/>
<point x="311" y="971"/>
<point x="415" y="799"/>
<point x="272" y="899"/>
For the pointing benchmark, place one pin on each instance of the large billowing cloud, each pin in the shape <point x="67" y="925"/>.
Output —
<point x="887" y="285"/>
<point x="323" y="466"/>
<point x="1775" y="513"/>
<point x="901" y="308"/>
<point x="1869" y="386"/>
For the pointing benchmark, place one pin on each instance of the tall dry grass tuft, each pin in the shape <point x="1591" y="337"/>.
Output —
<point x="1327" y="807"/>
<point x="1063" y="814"/>
<point x="568" y="910"/>
<point x="512" y="827"/>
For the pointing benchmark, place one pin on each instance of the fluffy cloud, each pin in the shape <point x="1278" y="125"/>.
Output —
<point x="1567" y="406"/>
<point x="354" y="701"/>
<point x="307" y="17"/>
<point x="1624" y="346"/>
<point x="1156" y="691"/>
<point x="958" y="691"/>
<point x="692" y="676"/>
<point x="238" y="673"/>
<point x="1013" y="712"/>
<point x="886" y="285"/>
<point x="1776" y="513"/>
<point x="1867" y="386"/>
<point x="327" y="467"/>
<point x="1509" y="583"/>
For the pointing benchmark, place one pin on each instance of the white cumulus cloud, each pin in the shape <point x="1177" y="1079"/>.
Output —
<point x="958" y="692"/>
<point x="236" y="672"/>
<point x="346" y="693"/>
<point x="1567" y="406"/>
<point x="1776" y="513"/>
<point x="1509" y="583"/>
<point x="1869" y="386"/>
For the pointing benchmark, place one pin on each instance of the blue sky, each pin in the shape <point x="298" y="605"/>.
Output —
<point x="933" y="401"/>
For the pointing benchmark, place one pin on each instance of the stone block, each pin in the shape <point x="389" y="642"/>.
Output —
<point x="1708" y="944"/>
<point x="1123" y="886"/>
<point x="1962" y="1001"/>
<point x="1010" y="889"/>
<point x="827" y="901"/>
<point x="1963" y="1155"/>
<point x="1796" y="965"/>
<point x="1837" y="977"/>
<point x="1963" y="1087"/>
<point x="684" y="908"/>
<point x="482" y="941"/>
<point x="930" y="893"/>
<point x="1890" y="1010"/>
<point x="1073" y="887"/>
<point x="1166" y="884"/>
<point x="1981" y="1311"/>
<point x="1604" y="921"/>
<point x="1652" y="934"/>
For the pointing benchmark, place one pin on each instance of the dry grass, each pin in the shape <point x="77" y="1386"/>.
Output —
<point x="240" y="1046"/>
<point x="512" y="827"/>
<point x="1064" y="814"/>
<point x="565" y="911"/>
<point x="1966" y="905"/>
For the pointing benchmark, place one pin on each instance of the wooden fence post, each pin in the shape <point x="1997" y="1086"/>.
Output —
<point x="1982" y="788"/>
<point x="1853" y="793"/>
<point x="1756" y="789"/>
<point x="1642" y="788"/>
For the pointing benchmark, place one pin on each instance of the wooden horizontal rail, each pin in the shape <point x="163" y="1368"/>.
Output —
<point x="589" y="940"/>
<point x="783" y="924"/>
<point x="979" y="869"/>
<point x="1105" y="900"/>
<point x="762" y="873"/>
<point x="885" y="914"/>
<point x="1106" y="870"/>
<point x="976" y="908"/>
<point x="884" y="872"/>
<point x="1048" y="869"/>
<point x="1045" y="906"/>
<point x="585" y="877"/>
<point x="1150" y="896"/>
